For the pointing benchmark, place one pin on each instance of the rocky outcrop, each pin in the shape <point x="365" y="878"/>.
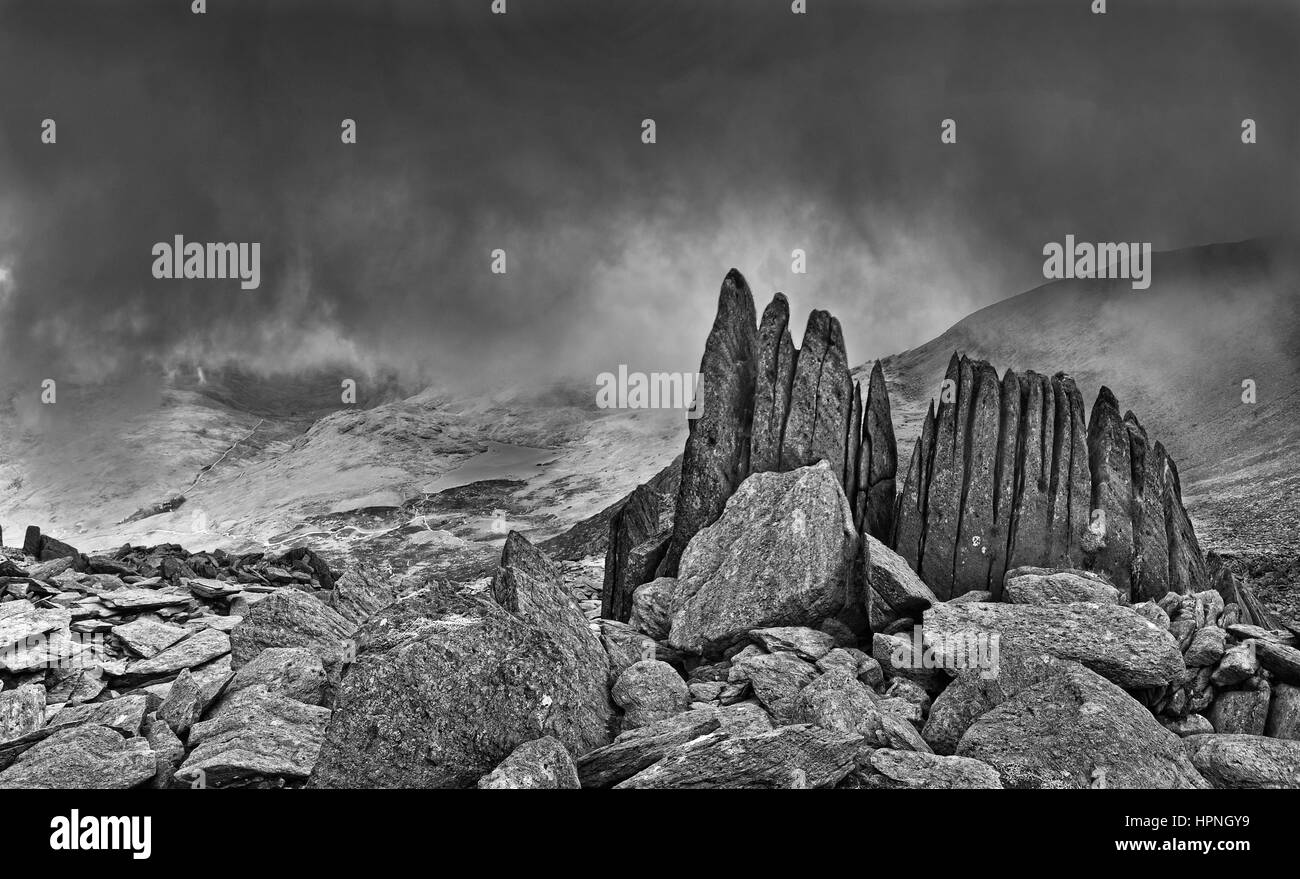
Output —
<point x="716" y="459"/>
<point x="765" y="406"/>
<point x="1007" y="474"/>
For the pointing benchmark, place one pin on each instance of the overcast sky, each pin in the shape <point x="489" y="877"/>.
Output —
<point x="523" y="132"/>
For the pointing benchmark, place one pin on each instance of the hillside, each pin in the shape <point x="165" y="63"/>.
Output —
<point x="1177" y="354"/>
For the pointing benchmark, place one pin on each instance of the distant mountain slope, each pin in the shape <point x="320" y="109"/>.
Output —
<point x="1177" y="355"/>
<point x="281" y="459"/>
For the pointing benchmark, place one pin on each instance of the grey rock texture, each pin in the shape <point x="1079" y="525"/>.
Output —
<point x="798" y="756"/>
<point x="778" y="556"/>
<point x="716" y="459"/>
<point x="83" y="757"/>
<point x="1008" y="473"/>
<point x="542" y="764"/>
<point x="447" y="684"/>
<point x="1078" y="730"/>
<point x="889" y="769"/>
<point x="1111" y="640"/>
<point x="649" y="691"/>
<point x="1246" y="762"/>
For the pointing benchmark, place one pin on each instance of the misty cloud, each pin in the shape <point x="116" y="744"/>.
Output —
<point x="522" y="132"/>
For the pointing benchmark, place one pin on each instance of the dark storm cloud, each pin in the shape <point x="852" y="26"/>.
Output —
<point x="522" y="132"/>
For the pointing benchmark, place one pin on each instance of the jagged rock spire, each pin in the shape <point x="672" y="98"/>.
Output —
<point x="776" y="357"/>
<point x="877" y="462"/>
<point x="817" y="423"/>
<point x="1007" y="473"/>
<point x="716" y="459"/>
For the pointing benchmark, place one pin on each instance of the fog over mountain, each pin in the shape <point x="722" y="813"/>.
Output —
<point x="523" y="132"/>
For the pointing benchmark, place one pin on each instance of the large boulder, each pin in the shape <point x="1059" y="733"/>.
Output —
<point x="1246" y="761"/>
<point x="256" y="735"/>
<point x="776" y="679"/>
<point x="449" y="683"/>
<point x="974" y="692"/>
<point x="1241" y="711"/>
<point x="1077" y="730"/>
<point x="652" y="607"/>
<point x="82" y="757"/>
<point x="1114" y="641"/>
<point x="648" y="691"/>
<point x="778" y="556"/>
<point x="1284" y="713"/>
<point x="1281" y="660"/>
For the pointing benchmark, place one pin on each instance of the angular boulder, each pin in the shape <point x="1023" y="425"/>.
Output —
<point x="1077" y="730"/>
<point x="291" y="618"/>
<point x="1246" y="762"/>
<point x="649" y="691"/>
<point x="447" y="684"/>
<point x="778" y="556"/>
<point x="1114" y="641"/>
<point x="83" y="757"/>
